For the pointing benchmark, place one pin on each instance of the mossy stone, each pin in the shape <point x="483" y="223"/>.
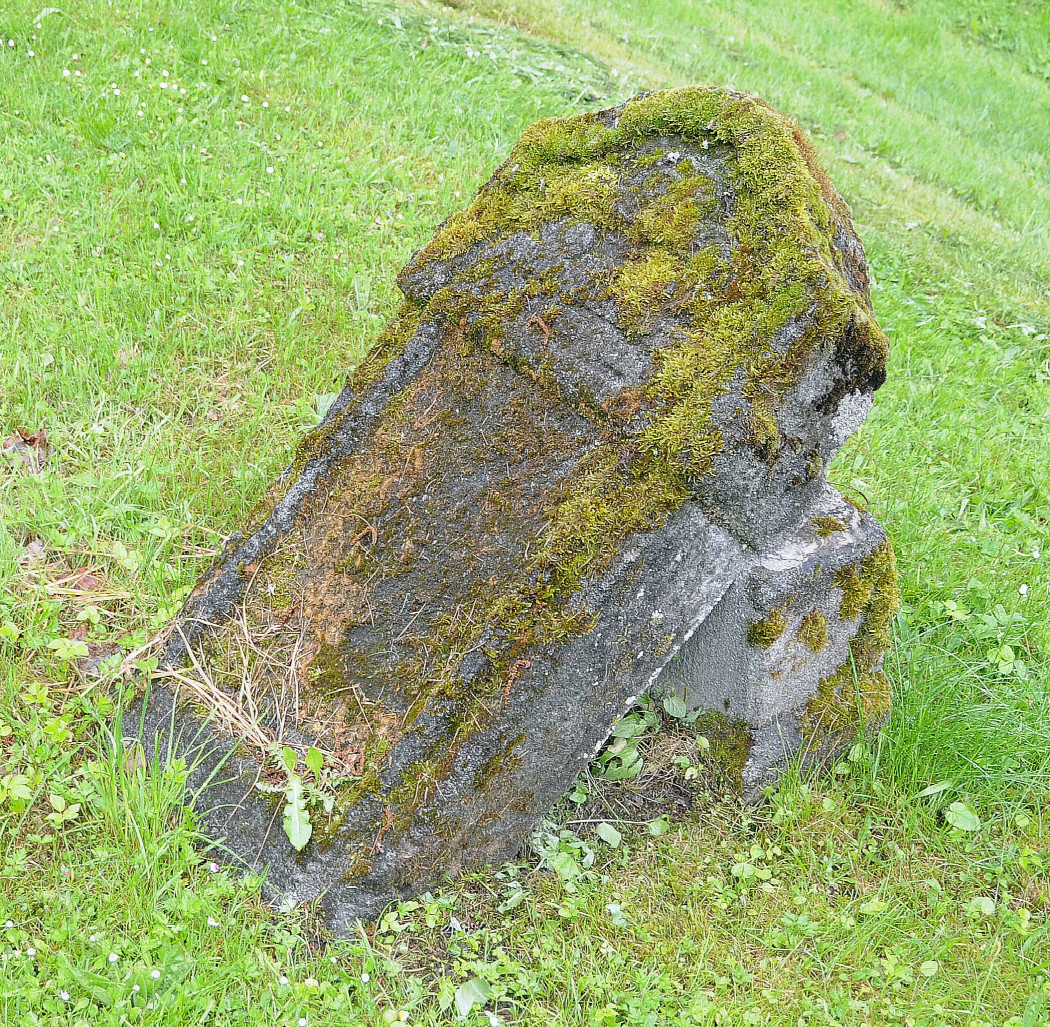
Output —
<point x="613" y="384"/>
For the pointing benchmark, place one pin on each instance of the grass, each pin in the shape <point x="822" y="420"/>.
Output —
<point x="181" y="288"/>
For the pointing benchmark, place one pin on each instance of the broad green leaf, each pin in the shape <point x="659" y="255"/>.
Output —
<point x="579" y="793"/>
<point x="322" y="403"/>
<point x="962" y="817"/>
<point x="1033" y="1010"/>
<point x="935" y="789"/>
<point x="674" y="706"/>
<point x="290" y="758"/>
<point x="659" y="826"/>
<point x="630" y="727"/>
<point x="608" y="834"/>
<point x="296" y="816"/>
<point x="314" y="760"/>
<point x="512" y="901"/>
<point x="474" y="994"/>
<point x="623" y="772"/>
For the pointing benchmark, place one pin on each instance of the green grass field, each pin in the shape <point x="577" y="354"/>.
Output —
<point x="202" y="209"/>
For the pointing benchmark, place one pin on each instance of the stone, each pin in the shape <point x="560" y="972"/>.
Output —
<point x="584" y="461"/>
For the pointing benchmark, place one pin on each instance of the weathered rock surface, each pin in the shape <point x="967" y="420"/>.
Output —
<point x="585" y="460"/>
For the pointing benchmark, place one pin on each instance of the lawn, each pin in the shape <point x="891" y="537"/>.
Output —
<point x="202" y="210"/>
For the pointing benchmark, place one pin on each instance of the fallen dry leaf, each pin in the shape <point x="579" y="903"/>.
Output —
<point x="34" y="553"/>
<point x="26" y="450"/>
<point x="98" y="653"/>
<point x="83" y="579"/>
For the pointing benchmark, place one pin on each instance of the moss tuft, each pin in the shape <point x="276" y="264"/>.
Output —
<point x="813" y="631"/>
<point x="730" y="747"/>
<point x="825" y="527"/>
<point x="761" y="634"/>
<point x="859" y="693"/>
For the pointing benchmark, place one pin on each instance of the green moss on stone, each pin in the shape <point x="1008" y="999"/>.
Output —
<point x="729" y="749"/>
<point x="762" y="634"/>
<point x="858" y="694"/>
<point x="503" y="760"/>
<point x="813" y="631"/>
<point x="825" y="527"/>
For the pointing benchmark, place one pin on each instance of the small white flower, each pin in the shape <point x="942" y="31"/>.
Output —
<point x="30" y="52"/>
<point x="270" y="170"/>
<point x="116" y="92"/>
<point x="240" y="263"/>
<point x="266" y="103"/>
<point x="212" y="922"/>
<point x="66" y="73"/>
<point x="302" y="1021"/>
<point x="288" y="109"/>
<point x="9" y="925"/>
<point x="366" y="978"/>
<point x="64" y="996"/>
<point x="244" y="98"/>
<point x="113" y="957"/>
<point x="282" y="979"/>
<point x="311" y="982"/>
<point x="30" y="952"/>
<point x="1023" y="590"/>
<point x="204" y="61"/>
<point x="155" y="974"/>
<point x="135" y="989"/>
<point x="239" y="201"/>
<point x="92" y="938"/>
